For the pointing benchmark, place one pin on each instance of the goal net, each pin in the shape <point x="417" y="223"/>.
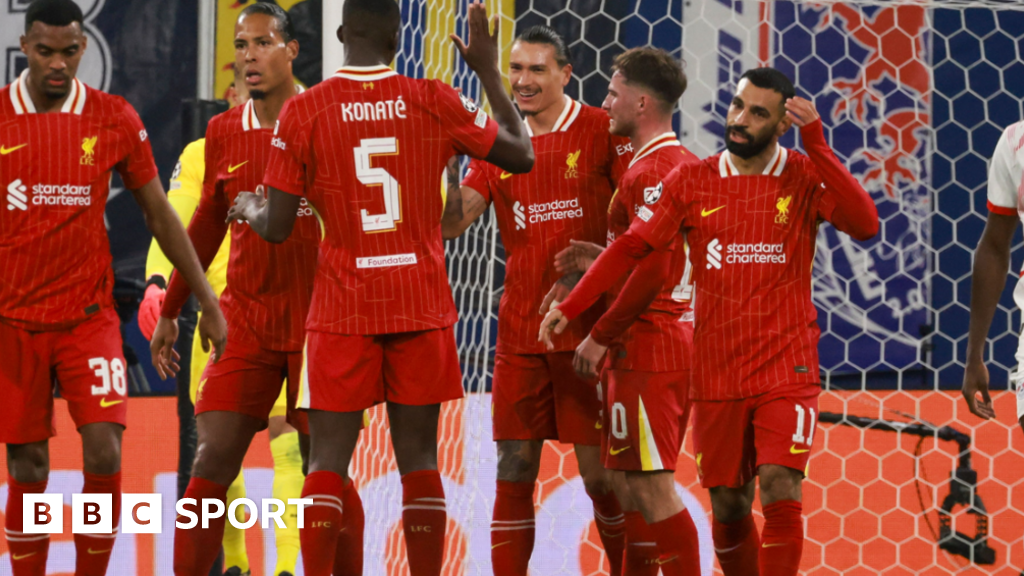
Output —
<point x="914" y="96"/>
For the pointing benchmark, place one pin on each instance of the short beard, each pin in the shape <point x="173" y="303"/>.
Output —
<point x="56" y="94"/>
<point x="750" y="149"/>
<point x="257" y="94"/>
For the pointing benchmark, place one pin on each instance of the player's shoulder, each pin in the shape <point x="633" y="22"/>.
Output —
<point x="1011" y="140"/>
<point x="6" y="105"/>
<point x="797" y="164"/>
<point x="224" y="124"/>
<point x="100" y="102"/>
<point x="591" y="118"/>
<point x="194" y="152"/>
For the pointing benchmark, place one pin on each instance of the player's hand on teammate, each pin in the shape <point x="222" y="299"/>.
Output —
<point x="247" y="204"/>
<point x="559" y="291"/>
<point x="555" y="322"/>
<point x="801" y="111"/>
<point x="481" y="51"/>
<point x="976" y="382"/>
<point x="577" y="257"/>
<point x="161" y="347"/>
<point x="588" y="357"/>
<point x="149" y="310"/>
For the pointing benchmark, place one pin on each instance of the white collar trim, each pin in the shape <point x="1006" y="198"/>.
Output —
<point x="565" y="119"/>
<point x="663" y="140"/>
<point x="774" y="167"/>
<point x="22" y="101"/>
<point x="250" y="121"/>
<point x="364" y="73"/>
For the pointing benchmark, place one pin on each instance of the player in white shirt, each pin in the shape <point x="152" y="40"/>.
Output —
<point x="991" y="262"/>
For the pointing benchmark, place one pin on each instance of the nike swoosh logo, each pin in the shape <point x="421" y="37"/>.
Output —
<point x="505" y="176"/>
<point x="6" y="151"/>
<point x="91" y="551"/>
<point x="794" y="450"/>
<point x="597" y="426"/>
<point x="614" y="452"/>
<point x="501" y="544"/>
<point x="104" y="403"/>
<point x="706" y="213"/>
<point x="236" y="166"/>
<point x="724" y="550"/>
<point x="22" y="556"/>
<point x="766" y="545"/>
<point x="667" y="560"/>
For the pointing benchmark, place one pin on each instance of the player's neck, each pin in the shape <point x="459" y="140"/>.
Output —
<point x="755" y="165"/>
<point x="269" y="107"/>
<point x="362" y="59"/>
<point x="645" y="134"/>
<point x="40" y="101"/>
<point x="543" y="121"/>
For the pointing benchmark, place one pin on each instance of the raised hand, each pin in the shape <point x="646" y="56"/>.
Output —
<point x="801" y="111"/>
<point x="246" y="205"/>
<point x="577" y="257"/>
<point x="481" y="51"/>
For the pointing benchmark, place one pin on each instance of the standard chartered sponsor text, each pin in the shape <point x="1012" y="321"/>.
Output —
<point x="760" y="253"/>
<point x="555" y="210"/>
<point x="61" y="195"/>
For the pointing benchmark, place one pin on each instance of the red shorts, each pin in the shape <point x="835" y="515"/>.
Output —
<point x="540" y="397"/>
<point x="352" y="372"/>
<point x="87" y="364"/>
<point x="732" y="438"/>
<point x="646" y="419"/>
<point x="248" y="380"/>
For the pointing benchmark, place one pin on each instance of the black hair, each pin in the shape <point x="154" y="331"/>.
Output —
<point x="771" y="79"/>
<point x="655" y="70"/>
<point x="541" y="34"/>
<point x="284" y="22"/>
<point x="53" y="13"/>
<point x="384" y="9"/>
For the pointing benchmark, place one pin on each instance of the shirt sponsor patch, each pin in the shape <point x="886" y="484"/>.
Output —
<point x="481" y="119"/>
<point x="645" y="213"/>
<point x="386" y="261"/>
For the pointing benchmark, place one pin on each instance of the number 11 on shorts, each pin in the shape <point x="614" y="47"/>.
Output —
<point x="801" y="420"/>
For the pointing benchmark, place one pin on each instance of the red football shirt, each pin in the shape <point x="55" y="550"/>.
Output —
<point x="368" y="148"/>
<point x="661" y="338"/>
<point x="268" y="285"/>
<point x="565" y="197"/>
<point x="55" y="177"/>
<point x="752" y="242"/>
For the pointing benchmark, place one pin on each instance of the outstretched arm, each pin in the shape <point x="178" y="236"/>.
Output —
<point x="272" y="218"/>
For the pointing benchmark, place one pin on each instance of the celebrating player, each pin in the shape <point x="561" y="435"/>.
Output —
<point x="59" y="140"/>
<point x="650" y="330"/>
<point x="268" y="288"/>
<point x="365" y="147"/>
<point x="991" y="262"/>
<point x="537" y="396"/>
<point x="750" y="216"/>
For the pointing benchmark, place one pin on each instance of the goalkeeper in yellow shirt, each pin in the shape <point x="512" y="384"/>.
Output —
<point x="184" y="194"/>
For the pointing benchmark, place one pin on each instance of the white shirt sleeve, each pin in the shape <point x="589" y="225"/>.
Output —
<point x="1004" y="175"/>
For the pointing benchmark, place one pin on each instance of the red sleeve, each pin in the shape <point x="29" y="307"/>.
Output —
<point x="206" y="231"/>
<point x="659" y="223"/>
<point x="472" y="132"/>
<point x="622" y="155"/>
<point x="289" y="151"/>
<point x="636" y="296"/>
<point x="843" y="201"/>
<point x="480" y="177"/>
<point x="138" y="167"/>
<point x="613" y="264"/>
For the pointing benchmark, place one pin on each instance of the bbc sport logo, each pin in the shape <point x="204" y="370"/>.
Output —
<point x="143" y="513"/>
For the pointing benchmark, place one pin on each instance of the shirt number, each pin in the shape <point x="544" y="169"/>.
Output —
<point x="683" y="292"/>
<point x="371" y="176"/>
<point x="111" y="374"/>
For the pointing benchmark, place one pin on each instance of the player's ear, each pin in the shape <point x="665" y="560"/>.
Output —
<point x="341" y="34"/>
<point x="784" y="125"/>
<point x="566" y="74"/>
<point x="293" y="49"/>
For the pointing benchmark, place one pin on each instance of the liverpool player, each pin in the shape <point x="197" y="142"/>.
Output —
<point x="991" y="262"/>
<point x="537" y="396"/>
<point x="649" y="332"/>
<point x="750" y="216"/>
<point x="268" y="288"/>
<point x="365" y="147"/>
<point x="59" y="140"/>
